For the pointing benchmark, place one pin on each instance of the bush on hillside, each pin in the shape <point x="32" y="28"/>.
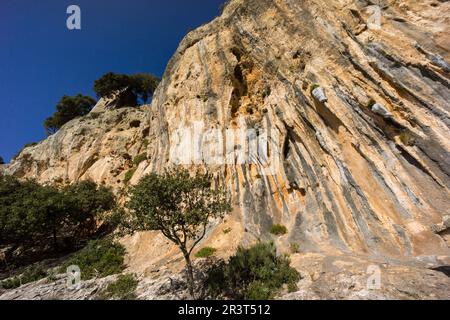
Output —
<point x="205" y="252"/>
<point x="30" y="274"/>
<point x="278" y="230"/>
<point x="178" y="204"/>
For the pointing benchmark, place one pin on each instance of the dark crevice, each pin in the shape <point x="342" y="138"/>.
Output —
<point x="286" y="147"/>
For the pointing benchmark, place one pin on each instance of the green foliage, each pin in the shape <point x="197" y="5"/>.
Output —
<point x="258" y="290"/>
<point x="226" y="230"/>
<point x="371" y="102"/>
<point x="142" y="85"/>
<point x="27" y="210"/>
<point x="100" y="258"/>
<point x="138" y="159"/>
<point x="67" y="109"/>
<point x="145" y="143"/>
<point x="256" y="273"/>
<point x="30" y="274"/>
<point x="205" y="252"/>
<point x="177" y="204"/>
<point x="27" y="145"/>
<point x="122" y="289"/>
<point x="31" y="144"/>
<point x="31" y="213"/>
<point x="295" y="248"/>
<point x="110" y="83"/>
<point x="407" y="138"/>
<point x="278" y="230"/>
<point x="85" y="202"/>
<point x="313" y="87"/>
<point x="128" y="175"/>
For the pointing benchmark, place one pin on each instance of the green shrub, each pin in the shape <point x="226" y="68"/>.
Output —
<point x="129" y="175"/>
<point x="85" y="201"/>
<point x="371" y="102"/>
<point x="254" y="273"/>
<point x="205" y="252"/>
<point x="258" y="290"/>
<point x="295" y="248"/>
<point x="31" y="213"/>
<point x="227" y="230"/>
<point x="27" y="145"/>
<point x="30" y="274"/>
<point x="138" y="159"/>
<point x="100" y="258"/>
<point x="178" y="204"/>
<point x="141" y="85"/>
<point x="278" y="229"/>
<point x="122" y="289"/>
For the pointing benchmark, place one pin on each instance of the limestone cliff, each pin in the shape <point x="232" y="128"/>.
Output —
<point x="362" y="115"/>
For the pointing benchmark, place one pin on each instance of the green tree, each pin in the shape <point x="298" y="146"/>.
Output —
<point x="180" y="206"/>
<point x="144" y="85"/>
<point x="67" y="109"/>
<point x="47" y="212"/>
<point x="13" y="225"/>
<point x="110" y="83"/>
<point x="31" y="213"/>
<point x="99" y="258"/>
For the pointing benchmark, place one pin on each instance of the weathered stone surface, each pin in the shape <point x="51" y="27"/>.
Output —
<point x="348" y="181"/>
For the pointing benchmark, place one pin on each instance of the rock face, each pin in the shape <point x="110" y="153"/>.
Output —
<point x="99" y="147"/>
<point x="349" y="180"/>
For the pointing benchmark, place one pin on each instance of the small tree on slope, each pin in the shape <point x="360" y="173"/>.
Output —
<point x="180" y="206"/>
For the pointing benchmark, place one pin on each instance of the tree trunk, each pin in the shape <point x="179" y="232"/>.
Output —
<point x="190" y="274"/>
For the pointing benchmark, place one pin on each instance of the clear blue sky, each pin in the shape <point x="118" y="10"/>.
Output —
<point x="41" y="60"/>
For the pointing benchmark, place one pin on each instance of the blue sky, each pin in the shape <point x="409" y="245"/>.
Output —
<point x="41" y="60"/>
